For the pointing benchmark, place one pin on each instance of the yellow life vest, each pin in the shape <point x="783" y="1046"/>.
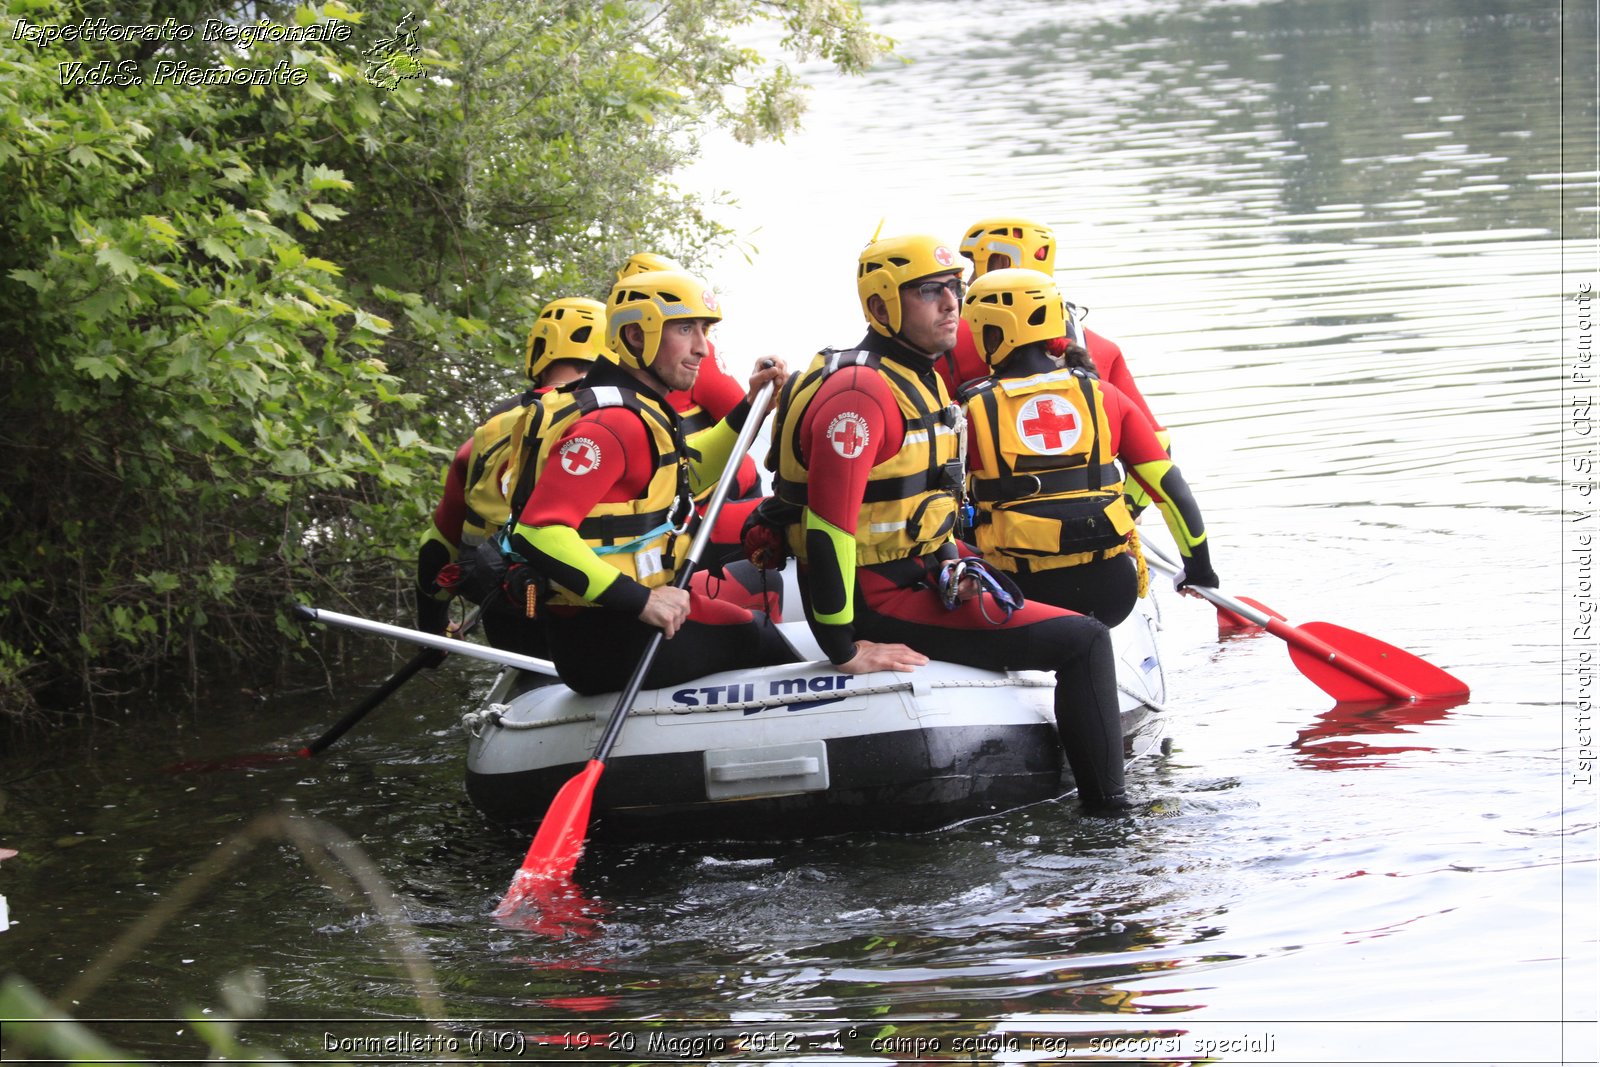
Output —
<point x="909" y="508"/>
<point x="1050" y="494"/>
<point x="693" y="420"/>
<point x="644" y="537"/>
<point x="491" y="471"/>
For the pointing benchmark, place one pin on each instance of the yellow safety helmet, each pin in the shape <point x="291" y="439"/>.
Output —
<point x="650" y="300"/>
<point x="569" y="327"/>
<point x="1027" y="244"/>
<point x="884" y="266"/>
<point x="1020" y="306"/>
<point x="640" y="262"/>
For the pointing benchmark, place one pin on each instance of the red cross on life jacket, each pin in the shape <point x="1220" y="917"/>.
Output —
<point x="1049" y="424"/>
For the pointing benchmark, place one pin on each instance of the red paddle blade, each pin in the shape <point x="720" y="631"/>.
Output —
<point x="1229" y="623"/>
<point x="1365" y="668"/>
<point x="558" y="844"/>
<point x="556" y="909"/>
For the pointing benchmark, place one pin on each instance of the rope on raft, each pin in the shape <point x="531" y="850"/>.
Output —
<point x="495" y="714"/>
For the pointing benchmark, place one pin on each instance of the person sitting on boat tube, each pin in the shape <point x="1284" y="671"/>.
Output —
<point x="607" y="522"/>
<point x="1012" y="241"/>
<point x="715" y="393"/>
<point x="865" y="453"/>
<point x="1049" y="496"/>
<point x="566" y="338"/>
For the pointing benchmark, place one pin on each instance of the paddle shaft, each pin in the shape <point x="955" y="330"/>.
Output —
<point x="697" y="548"/>
<point x="383" y="692"/>
<point x="417" y="637"/>
<point x="558" y="843"/>
<point x="1295" y="636"/>
<point x="360" y="711"/>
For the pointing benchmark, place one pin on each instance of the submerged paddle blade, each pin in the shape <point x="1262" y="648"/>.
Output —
<point x="556" y="909"/>
<point x="1229" y="623"/>
<point x="1349" y="665"/>
<point x="558" y="845"/>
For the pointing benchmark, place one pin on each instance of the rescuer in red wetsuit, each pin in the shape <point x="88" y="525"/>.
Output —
<point x="1009" y="241"/>
<point x="565" y="339"/>
<point x="1042" y="469"/>
<point x="715" y="393"/>
<point x="866" y="455"/>
<point x="606" y="524"/>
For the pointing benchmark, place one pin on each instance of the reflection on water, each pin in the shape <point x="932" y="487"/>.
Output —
<point x="1338" y="738"/>
<point x="1327" y="235"/>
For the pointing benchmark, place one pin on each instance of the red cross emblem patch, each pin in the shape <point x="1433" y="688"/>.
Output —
<point x="1048" y="425"/>
<point x="944" y="256"/>
<point x="848" y="434"/>
<point x="580" y="456"/>
<point x="709" y="298"/>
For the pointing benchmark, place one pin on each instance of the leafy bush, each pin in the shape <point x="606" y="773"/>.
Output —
<point x="241" y="325"/>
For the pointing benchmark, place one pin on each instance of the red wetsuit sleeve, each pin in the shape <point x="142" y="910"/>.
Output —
<point x="836" y="481"/>
<point x="614" y="465"/>
<point x="1133" y="439"/>
<point x="1112" y="368"/>
<point x="605" y="457"/>
<point x="451" y="513"/>
<point x="851" y="425"/>
<point x="437" y="552"/>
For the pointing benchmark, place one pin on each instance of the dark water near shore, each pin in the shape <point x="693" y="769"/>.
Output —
<point x="1342" y="245"/>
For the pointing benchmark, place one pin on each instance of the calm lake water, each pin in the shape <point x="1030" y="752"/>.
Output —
<point x="1344" y="246"/>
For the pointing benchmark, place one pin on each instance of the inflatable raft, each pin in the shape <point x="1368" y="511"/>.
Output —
<point x="800" y="749"/>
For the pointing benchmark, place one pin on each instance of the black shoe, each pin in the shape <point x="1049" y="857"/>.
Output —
<point x="1107" y="807"/>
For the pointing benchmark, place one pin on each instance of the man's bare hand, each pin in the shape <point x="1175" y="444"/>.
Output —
<point x="871" y="656"/>
<point x="768" y="369"/>
<point x="667" y="609"/>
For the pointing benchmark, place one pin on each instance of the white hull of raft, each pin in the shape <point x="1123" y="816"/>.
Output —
<point x="799" y="749"/>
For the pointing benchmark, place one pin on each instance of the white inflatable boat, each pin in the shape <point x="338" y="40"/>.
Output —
<point x="800" y="749"/>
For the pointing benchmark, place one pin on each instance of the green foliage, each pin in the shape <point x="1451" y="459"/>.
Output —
<point x="36" y="1024"/>
<point x="240" y="325"/>
<point x="40" y="1028"/>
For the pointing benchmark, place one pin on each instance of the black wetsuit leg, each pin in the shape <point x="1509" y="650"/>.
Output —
<point x="1037" y="637"/>
<point x="1106" y="588"/>
<point x="595" y="651"/>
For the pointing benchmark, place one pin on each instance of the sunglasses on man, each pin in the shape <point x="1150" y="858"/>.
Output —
<point x="929" y="292"/>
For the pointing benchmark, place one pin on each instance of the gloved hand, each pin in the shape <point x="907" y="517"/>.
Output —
<point x="762" y="536"/>
<point x="764" y="547"/>
<point x="1195" y="573"/>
